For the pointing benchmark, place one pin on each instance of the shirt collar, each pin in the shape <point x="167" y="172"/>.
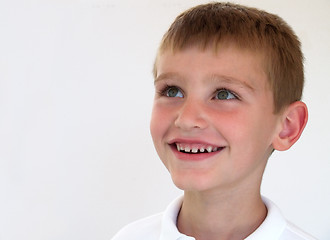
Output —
<point x="271" y="228"/>
<point x="169" y="230"/>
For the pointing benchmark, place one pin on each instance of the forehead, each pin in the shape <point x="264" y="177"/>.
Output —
<point x="228" y="62"/>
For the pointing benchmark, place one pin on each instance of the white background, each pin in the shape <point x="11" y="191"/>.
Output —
<point x="76" y="157"/>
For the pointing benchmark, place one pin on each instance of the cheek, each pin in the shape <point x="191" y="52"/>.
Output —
<point x="153" y="125"/>
<point x="241" y="128"/>
<point x="232" y="125"/>
<point x="159" y="126"/>
<point x="158" y="123"/>
<point x="252" y="132"/>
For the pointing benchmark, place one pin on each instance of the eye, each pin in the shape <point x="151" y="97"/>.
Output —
<point x="224" y="94"/>
<point x="173" y="92"/>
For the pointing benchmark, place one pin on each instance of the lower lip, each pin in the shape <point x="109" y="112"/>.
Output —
<point x="193" y="156"/>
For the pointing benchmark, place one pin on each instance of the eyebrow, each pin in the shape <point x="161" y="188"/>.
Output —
<point x="169" y="75"/>
<point x="213" y="78"/>
<point x="232" y="81"/>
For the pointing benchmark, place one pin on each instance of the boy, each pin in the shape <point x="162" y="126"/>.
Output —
<point x="228" y="82"/>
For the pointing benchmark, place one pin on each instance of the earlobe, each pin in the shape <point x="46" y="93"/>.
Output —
<point x="292" y="125"/>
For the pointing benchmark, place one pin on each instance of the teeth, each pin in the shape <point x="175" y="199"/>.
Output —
<point x="209" y="149"/>
<point x="188" y="149"/>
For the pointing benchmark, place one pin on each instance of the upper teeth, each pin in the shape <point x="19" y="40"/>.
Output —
<point x="189" y="149"/>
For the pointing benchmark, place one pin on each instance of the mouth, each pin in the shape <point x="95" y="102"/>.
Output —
<point x="196" y="148"/>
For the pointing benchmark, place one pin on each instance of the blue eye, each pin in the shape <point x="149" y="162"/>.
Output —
<point x="173" y="92"/>
<point x="224" y="94"/>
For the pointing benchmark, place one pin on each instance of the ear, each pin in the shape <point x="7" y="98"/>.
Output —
<point x="293" y="122"/>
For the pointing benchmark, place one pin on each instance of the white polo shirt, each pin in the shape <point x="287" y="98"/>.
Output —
<point x="163" y="227"/>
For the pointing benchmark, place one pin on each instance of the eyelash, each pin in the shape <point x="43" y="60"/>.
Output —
<point x="163" y="91"/>
<point x="226" y="89"/>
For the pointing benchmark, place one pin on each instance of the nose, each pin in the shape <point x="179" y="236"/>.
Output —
<point x="191" y="115"/>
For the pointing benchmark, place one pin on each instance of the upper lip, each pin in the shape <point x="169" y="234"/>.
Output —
<point x="192" y="141"/>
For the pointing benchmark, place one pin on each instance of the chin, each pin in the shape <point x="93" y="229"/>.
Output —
<point x="191" y="183"/>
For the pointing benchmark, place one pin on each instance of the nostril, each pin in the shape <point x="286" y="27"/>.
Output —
<point x="191" y="115"/>
<point x="190" y="121"/>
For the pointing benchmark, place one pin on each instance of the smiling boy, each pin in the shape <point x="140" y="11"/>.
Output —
<point x="228" y="83"/>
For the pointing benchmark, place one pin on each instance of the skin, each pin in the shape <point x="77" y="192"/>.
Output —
<point x="242" y="126"/>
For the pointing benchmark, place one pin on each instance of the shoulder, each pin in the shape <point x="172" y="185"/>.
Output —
<point x="289" y="230"/>
<point x="276" y="227"/>
<point x="292" y="232"/>
<point x="159" y="226"/>
<point x="147" y="229"/>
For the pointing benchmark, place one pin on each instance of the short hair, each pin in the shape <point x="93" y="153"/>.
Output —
<point x="249" y="28"/>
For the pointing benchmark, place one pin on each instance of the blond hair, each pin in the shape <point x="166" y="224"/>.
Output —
<point x="216" y="23"/>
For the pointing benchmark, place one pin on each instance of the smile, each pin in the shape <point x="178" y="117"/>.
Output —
<point x="196" y="148"/>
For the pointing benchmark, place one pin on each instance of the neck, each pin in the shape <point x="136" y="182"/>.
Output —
<point x="225" y="216"/>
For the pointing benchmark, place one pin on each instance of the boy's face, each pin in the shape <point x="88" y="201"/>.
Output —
<point x="218" y="109"/>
